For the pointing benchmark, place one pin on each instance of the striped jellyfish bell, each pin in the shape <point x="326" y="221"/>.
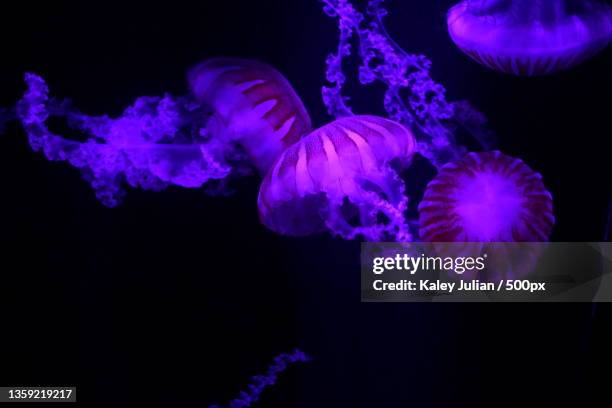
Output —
<point x="486" y="197"/>
<point x="254" y="106"/>
<point x="528" y="37"/>
<point x="340" y="178"/>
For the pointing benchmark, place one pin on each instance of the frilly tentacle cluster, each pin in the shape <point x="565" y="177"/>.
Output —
<point x="412" y="97"/>
<point x="151" y="146"/>
<point x="379" y="218"/>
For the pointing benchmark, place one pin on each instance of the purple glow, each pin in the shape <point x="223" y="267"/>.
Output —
<point x="339" y="178"/>
<point x="411" y="98"/>
<point x="261" y="382"/>
<point x="149" y="146"/>
<point x="486" y="197"/>
<point x="527" y="37"/>
<point x="254" y="106"/>
<point x="245" y="116"/>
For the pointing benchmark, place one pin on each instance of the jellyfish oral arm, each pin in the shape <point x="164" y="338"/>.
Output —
<point x="147" y="147"/>
<point x="412" y="97"/>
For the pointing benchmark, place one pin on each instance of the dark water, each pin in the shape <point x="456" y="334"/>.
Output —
<point x="176" y="299"/>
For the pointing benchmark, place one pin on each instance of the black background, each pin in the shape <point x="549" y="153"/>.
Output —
<point x="176" y="298"/>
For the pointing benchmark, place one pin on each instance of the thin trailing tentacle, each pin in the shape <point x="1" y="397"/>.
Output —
<point x="260" y="382"/>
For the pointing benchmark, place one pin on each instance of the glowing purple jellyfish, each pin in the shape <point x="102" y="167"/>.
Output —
<point x="486" y="197"/>
<point x="528" y="37"/>
<point x="340" y="177"/>
<point x="246" y="114"/>
<point x="254" y="106"/>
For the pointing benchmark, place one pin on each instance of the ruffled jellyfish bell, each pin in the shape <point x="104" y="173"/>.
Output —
<point x="341" y="177"/>
<point x="254" y="107"/>
<point x="530" y="37"/>
<point x="486" y="197"/>
<point x="482" y="200"/>
<point x="246" y="114"/>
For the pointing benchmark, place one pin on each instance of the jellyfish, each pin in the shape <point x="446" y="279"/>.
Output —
<point x="341" y="177"/>
<point x="486" y="197"/>
<point x="527" y="37"/>
<point x="492" y="205"/>
<point x="245" y="114"/>
<point x="254" y="106"/>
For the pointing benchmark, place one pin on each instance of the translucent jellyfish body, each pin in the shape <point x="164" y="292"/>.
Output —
<point x="341" y="178"/>
<point x="254" y="106"/>
<point x="148" y="146"/>
<point x="486" y="197"/>
<point x="246" y="114"/>
<point x="528" y="37"/>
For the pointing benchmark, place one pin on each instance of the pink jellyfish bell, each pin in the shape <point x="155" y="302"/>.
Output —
<point x="486" y="197"/>
<point x="529" y="37"/>
<point x="340" y="178"/>
<point x="254" y="106"/>
<point x="482" y="200"/>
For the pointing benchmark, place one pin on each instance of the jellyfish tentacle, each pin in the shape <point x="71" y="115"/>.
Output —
<point x="371" y="207"/>
<point x="147" y="147"/>
<point x="425" y="108"/>
<point x="243" y="115"/>
<point x="259" y="383"/>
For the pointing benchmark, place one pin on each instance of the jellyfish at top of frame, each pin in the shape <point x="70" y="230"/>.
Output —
<point x="527" y="37"/>
<point x="486" y="197"/>
<point x="253" y="104"/>
<point x="341" y="177"/>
